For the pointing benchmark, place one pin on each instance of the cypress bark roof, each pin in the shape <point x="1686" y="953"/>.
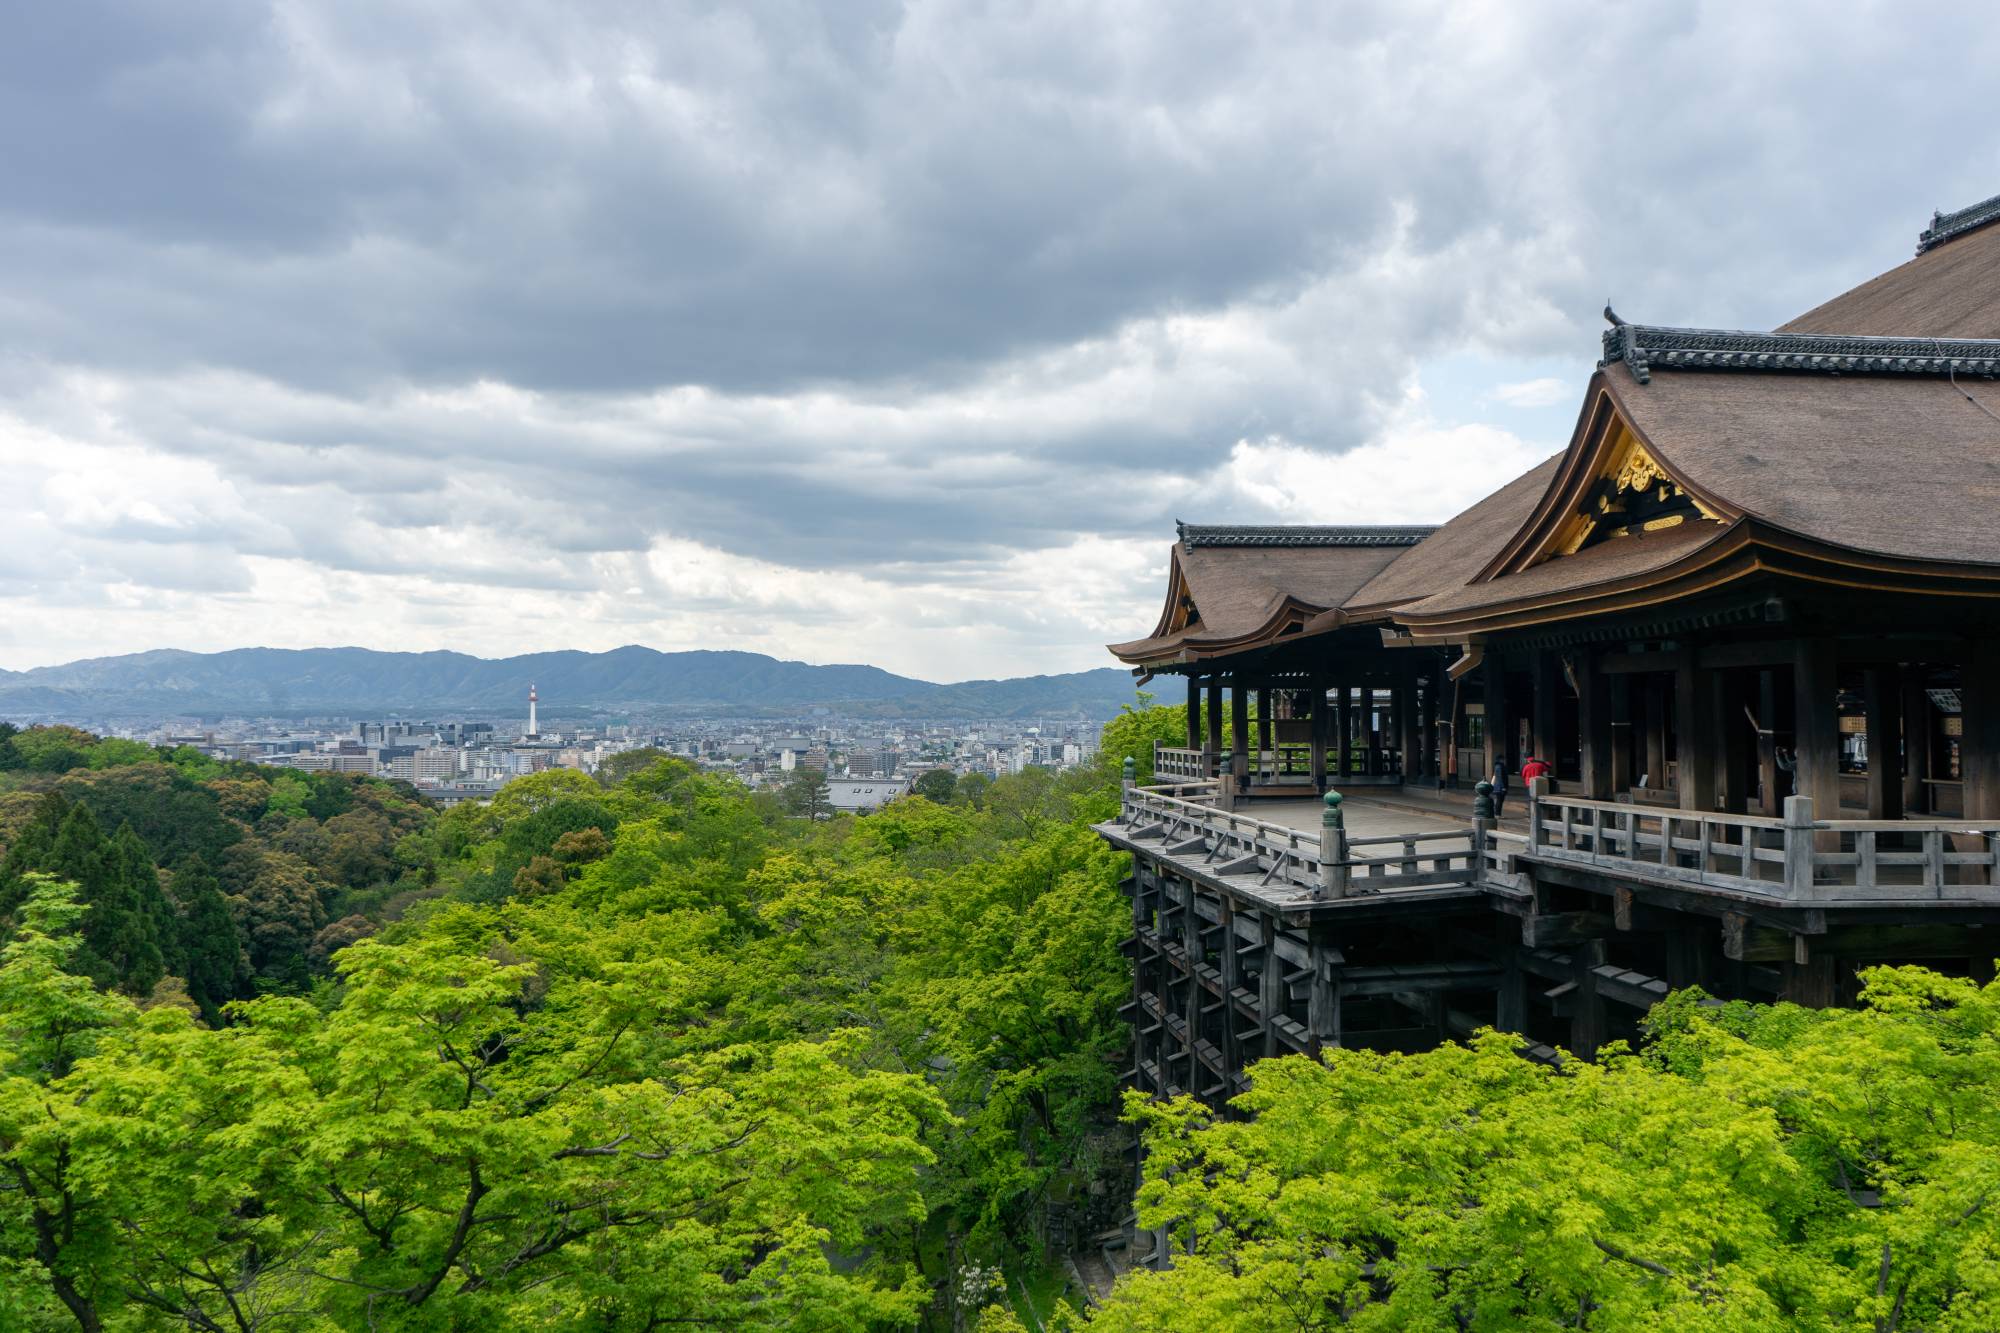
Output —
<point x="1950" y="290"/>
<point x="1869" y="425"/>
<point x="1229" y="594"/>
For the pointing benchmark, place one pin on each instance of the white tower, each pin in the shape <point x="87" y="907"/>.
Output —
<point x="533" y="730"/>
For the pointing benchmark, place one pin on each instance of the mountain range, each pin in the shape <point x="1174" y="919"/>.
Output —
<point x="290" y="682"/>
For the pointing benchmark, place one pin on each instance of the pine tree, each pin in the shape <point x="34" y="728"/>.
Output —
<point x="155" y="947"/>
<point x="212" y="950"/>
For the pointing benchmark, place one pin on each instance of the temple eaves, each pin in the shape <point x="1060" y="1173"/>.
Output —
<point x="1949" y="226"/>
<point x="1198" y="535"/>
<point x="1646" y="347"/>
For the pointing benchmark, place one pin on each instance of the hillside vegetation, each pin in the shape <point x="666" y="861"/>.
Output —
<point x="280" y="1053"/>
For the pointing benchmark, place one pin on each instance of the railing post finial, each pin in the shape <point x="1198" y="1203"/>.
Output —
<point x="1131" y="771"/>
<point x="1335" y="873"/>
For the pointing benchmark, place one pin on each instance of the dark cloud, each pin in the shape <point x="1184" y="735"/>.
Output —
<point x="508" y="295"/>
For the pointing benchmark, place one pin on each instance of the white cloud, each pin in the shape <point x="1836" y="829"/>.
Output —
<point x="1544" y="392"/>
<point x="879" y="331"/>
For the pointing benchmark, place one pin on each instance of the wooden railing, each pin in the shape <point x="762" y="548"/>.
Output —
<point x="1171" y="761"/>
<point x="1325" y="864"/>
<point x="1796" y="858"/>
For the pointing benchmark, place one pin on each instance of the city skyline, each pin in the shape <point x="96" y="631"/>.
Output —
<point x="889" y="335"/>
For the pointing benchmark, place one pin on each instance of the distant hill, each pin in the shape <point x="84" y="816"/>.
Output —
<point x="282" y="681"/>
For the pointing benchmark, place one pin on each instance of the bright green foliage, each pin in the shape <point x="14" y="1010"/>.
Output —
<point x="936" y="784"/>
<point x="211" y="952"/>
<point x="1755" y="1168"/>
<point x="806" y="793"/>
<point x="625" y="1056"/>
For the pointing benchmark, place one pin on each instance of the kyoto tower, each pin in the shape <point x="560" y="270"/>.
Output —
<point x="534" y="732"/>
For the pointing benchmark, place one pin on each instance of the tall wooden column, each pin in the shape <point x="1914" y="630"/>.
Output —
<point x="1408" y="744"/>
<point x="1194" y="712"/>
<point x="1498" y="723"/>
<point x="1316" y="693"/>
<point x="1213" y="745"/>
<point x="1979" y="745"/>
<point x="1622" y="739"/>
<point x="1264" y="745"/>
<point x="1882" y="700"/>
<point x="1816" y="725"/>
<point x="1695" y="738"/>
<point x="1650" y="693"/>
<point x="1771" y="801"/>
<point x="1594" y="729"/>
<point x="1548" y="669"/>
<point x="1364" y="724"/>
<point x="1343" y="731"/>
<point x="1239" y="731"/>
<point x="1732" y="774"/>
<point x="1916" y="731"/>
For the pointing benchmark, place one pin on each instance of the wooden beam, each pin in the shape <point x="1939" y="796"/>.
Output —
<point x="1555" y="930"/>
<point x="1194" y="712"/>
<point x="1214" y="718"/>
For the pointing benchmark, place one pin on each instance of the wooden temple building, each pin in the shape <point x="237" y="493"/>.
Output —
<point x="1750" y="617"/>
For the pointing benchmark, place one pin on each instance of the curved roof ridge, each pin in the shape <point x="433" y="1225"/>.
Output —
<point x="1644" y="347"/>
<point x="1193" y="535"/>
<point x="1950" y="226"/>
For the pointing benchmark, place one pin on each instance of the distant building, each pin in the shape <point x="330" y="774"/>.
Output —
<point x="857" y="796"/>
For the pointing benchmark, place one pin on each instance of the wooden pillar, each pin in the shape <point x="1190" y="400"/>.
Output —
<point x="1732" y="777"/>
<point x="1771" y="799"/>
<point x="1816" y="724"/>
<point x="1622" y="739"/>
<point x="1270" y="983"/>
<point x="1239" y="731"/>
<point x="1594" y="727"/>
<point x="1409" y="743"/>
<point x="1548" y="688"/>
<point x="1650" y="696"/>
<point x="1979" y="745"/>
<point x="1194" y="712"/>
<point x="1232" y="977"/>
<point x="1343" y="731"/>
<point x="1498" y="724"/>
<point x="1587" y="1029"/>
<point x="1316" y="693"/>
<point x="1264" y="745"/>
<point x="1364" y="726"/>
<point x="1212" y="746"/>
<point x="1882" y="701"/>
<point x="1916" y="732"/>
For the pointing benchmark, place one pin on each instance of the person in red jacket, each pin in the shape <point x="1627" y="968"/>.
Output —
<point x="1532" y="768"/>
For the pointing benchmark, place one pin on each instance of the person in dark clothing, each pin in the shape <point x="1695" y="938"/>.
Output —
<point x="1499" y="787"/>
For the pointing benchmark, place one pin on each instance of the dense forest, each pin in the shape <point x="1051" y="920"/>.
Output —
<point x="642" y="1051"/>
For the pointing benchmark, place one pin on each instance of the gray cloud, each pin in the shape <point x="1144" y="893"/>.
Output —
<point x="500" y="296"/>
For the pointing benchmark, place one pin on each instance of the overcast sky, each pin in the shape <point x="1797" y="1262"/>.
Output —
<point x="864" y="332"/>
